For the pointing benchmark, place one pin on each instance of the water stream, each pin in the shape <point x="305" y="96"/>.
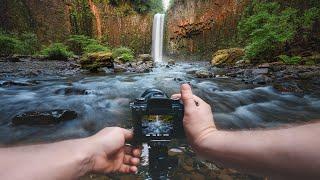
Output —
<point x="106" y="102"/>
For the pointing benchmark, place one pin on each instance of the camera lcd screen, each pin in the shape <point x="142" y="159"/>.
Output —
<point x="157" y="125"/>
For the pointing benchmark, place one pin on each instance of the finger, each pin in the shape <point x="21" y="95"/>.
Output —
<point x="127" y="159"/>
<point x="128" y="150"/>
<point x="187" y="96"/>
<point x="176" y="96"/>
<point x="128" y="134"/>
<point x="128" y="169"/>
<point x="125" y="168"/>
<point x="133" y="169"/>
<point x="134" y="161"/>
<point x="137" y="153"/>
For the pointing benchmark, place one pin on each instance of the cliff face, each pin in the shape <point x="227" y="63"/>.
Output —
<point x="55" y="20"/>
<point x="197" y="27"/>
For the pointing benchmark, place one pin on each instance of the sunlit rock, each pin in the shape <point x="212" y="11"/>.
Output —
<point x="227" y="56"/>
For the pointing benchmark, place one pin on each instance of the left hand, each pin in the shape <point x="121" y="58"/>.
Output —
<point x="109" y="153"/>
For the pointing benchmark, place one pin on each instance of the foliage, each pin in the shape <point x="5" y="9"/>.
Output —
<point x="9" y="45"/>
<point x="141" y="6"/>
<point x="92" y="48"/>
<point x="57" y="51"/>
<point x="290" y="60"/>
<point x="31" y="44"/>
<point x="81" y="44"/>
<point x="267" y="28"/>
<point x="123" y="52"/>
<point x="26" y="43"/>
<point x="127" y="57"/>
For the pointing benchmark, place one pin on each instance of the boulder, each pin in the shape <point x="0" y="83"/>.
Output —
<point x="44" y="118"/>
<point x="145" y="57"/>
<point x="203" y="74"/>
<point x="262" y="79"/>
<point x="171" y="62"/>
<point x="95" y="61"/>
<point x="227" y="57"/>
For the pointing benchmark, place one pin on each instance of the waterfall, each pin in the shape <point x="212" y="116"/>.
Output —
<point x="157" y="37"/>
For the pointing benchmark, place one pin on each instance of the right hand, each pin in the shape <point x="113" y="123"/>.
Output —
<point x="198" y="118"/>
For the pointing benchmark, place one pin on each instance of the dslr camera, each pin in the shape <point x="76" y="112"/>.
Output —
<point x="156" y="117"/>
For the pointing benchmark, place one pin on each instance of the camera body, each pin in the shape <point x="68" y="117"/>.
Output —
<point x="156" y="117"/>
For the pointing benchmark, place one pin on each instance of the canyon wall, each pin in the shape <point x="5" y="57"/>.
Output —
<point x="55" y="20"/>
<point x="197" y="28"/>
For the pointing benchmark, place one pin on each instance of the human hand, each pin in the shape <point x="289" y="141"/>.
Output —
<point x="109" y="154"/>
<point x="198" y="118"/>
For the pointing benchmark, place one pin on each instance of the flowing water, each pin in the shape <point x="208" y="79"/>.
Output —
<point x="157" y="37"/>
<point x="106" y="102"/>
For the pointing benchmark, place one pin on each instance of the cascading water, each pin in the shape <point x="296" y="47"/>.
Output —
<point x="157" y="37"/>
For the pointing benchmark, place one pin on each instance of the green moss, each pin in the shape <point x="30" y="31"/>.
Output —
<point x="122" y="51"/>
<point x="290" y="60"/>
<point x="57" y="51"/>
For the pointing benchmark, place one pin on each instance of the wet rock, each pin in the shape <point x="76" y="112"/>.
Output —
<point x="71" y="91"/>
<point x="171" y="62"/>
<point x="203" y="74"/>
<point x="119" y="68"/>
<point x="13" y="58"/>
<point x="256" y="72"/>
<point x="227" y="57"/>
<point x="44" y="118"/>
<point x="145" y="57"/>
<point x="262" y="79"/>
<point x="309" y="75"/>
<point x="265" y="65"/>
<point x="14" y="83"/>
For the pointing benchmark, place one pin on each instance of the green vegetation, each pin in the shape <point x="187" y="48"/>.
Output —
<point x="290" y="60"/>
<point x="57" y="51"/>
<point x="139" y="6"/>
<point x="26" y="43"/>
<point x="81" y="44"/>
<point x="269" y="29"/>
<point x="124" y="53"/>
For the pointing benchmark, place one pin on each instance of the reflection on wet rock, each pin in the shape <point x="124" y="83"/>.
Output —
<point x="44" y="118"/>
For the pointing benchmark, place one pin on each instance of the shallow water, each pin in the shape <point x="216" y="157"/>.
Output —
<point x="106" y="102"/>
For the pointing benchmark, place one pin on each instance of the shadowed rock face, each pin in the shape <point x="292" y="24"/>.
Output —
<point x="54" y="21"/>
<point x="202" y="27"/>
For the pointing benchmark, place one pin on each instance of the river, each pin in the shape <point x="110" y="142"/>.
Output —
<point x="104" y="101"/>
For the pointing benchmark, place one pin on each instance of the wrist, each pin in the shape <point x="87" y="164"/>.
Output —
<point x="207" y="141"/>
<point x="84" y="156"/>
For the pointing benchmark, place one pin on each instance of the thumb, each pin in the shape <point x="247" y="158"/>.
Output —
<point x="187" y="96"/>
<point x="128" y="134"/>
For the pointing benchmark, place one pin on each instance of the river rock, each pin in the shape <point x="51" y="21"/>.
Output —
<point x="119" y="68"/>
<point x="262" y="79"/>
<point x="95" y="61"/>
<point x="44" y="118"/>
<point x="145" y="57"/>
<point x="259" y="71"/>
<point x="14" y="83"/>
<point x="71" y="91"/>
<point x="203" y="74"/>
<point x="227" y="57"/>
<point x="171" y="62"/>
<point x="13" y="58"/>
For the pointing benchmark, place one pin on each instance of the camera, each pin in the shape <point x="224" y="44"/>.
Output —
<point x="156" y="117"/>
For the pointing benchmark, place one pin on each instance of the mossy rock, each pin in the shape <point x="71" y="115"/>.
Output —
<point x="94" y="61"/>
<point x="227" y="57"/>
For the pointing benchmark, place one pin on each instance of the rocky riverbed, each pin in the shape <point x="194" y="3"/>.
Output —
<point x="285" y="78"/>
<point x="65" y="101"/>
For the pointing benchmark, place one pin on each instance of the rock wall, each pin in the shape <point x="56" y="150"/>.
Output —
<point x="55" y="20"/>
<point x="197" y="28"/>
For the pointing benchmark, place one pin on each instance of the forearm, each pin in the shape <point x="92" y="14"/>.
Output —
<point x="277" y="153"/>
<point x="63" y="160"/>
